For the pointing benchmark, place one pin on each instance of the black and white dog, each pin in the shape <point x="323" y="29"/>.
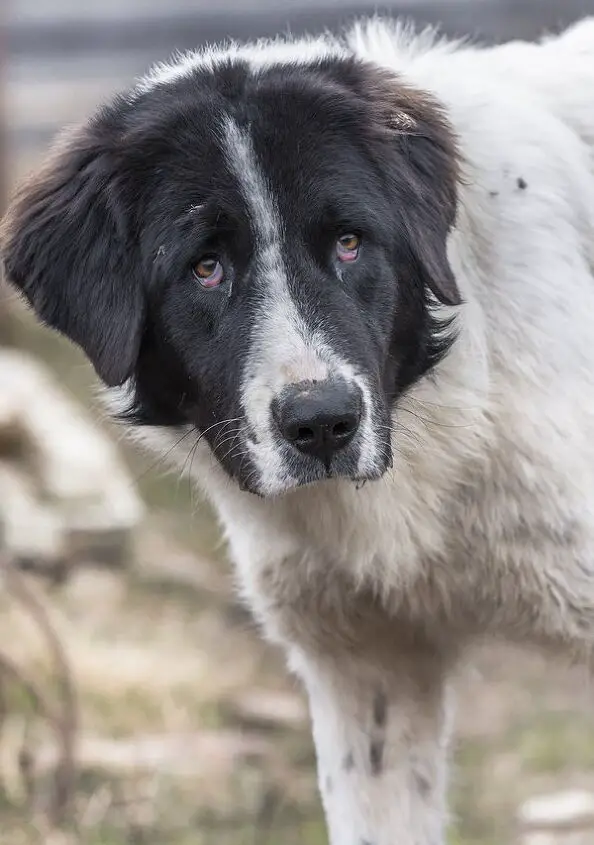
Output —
<point x="339" y="261"/>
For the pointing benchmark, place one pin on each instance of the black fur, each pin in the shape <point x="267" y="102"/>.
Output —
<point x="348" y="764"/>
<point x="380" y="709"/>
<point x="102" y="242"/>
<point x="376" y="757"/>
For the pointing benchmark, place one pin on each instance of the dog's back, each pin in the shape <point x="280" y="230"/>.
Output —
<point x="561" y="70"/>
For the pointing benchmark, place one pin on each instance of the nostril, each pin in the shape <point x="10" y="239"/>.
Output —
<point x="300" y="434"/>
<point x="304" y="435"/>
<point x="344" y="427"/>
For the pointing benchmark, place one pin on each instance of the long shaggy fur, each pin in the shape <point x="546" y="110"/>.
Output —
<point x="484" y="524"/>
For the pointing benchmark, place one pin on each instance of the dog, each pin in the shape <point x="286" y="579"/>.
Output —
<point x="354" y="275"/>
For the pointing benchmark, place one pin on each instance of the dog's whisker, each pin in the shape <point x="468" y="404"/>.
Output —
<point x="429" y="422"/>
<point x="225" y="424"/>
<point x="232" y="436"/>
<point x="162" y="458"/>
<point x="232" y="454"/>
<point x="458" y="410"/>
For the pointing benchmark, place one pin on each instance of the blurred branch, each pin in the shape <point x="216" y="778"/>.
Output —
<point x="3" y="108"/>
<point x="5" y="321"/>
<point x="63" y="719"/>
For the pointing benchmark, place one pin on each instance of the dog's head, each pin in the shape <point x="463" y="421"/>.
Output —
<point x="257" y="253"/>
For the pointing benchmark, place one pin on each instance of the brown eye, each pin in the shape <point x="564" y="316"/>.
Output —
<point x="347" y="247"/>
<point x="208" y="271"/>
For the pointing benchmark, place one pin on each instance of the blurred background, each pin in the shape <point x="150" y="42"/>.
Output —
<point x="137" y="703"/>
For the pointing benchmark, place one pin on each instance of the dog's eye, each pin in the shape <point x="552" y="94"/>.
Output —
<point x="208" y="271"/>
<point x="347" y="247"/>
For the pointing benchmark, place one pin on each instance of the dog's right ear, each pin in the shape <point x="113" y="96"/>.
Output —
<point x="67" y="244"/>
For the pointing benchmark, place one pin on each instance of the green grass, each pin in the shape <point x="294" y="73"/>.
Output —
<point x="556" y="743"/>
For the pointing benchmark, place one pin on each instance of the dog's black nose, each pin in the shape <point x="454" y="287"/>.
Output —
<point x="318" y="418"/>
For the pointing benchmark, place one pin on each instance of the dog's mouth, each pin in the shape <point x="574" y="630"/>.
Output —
<point x="312" y="433"/>
<point x="292" y="472"/>
<point x="289" y="484"/>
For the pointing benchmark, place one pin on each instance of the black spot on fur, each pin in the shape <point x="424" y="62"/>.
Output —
<point x="521" y="183"/>
<point x="380" y="709"/>
<point x="423" y="784"/>
<point x="348" y="764"/>
<point x="376" y="757"/>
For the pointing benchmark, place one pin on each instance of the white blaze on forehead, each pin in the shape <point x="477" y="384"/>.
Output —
<point x="242" y="159"/>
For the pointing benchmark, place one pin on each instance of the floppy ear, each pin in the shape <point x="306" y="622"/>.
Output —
<point x="427" y="235"/>
<point x="430" y="213"/>
<point x="423" y="170"/>
<point x="67" y="246"/>
<point x="431" y="173"/>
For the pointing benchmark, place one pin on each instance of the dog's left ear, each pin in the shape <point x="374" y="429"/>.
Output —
<point x="427" y="233"/>
<point x="68" y="246"/>
<point x="429" y="183"/>
<point x="420" y="161"/>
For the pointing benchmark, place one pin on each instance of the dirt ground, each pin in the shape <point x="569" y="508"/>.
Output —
<point x="191" y="731"/>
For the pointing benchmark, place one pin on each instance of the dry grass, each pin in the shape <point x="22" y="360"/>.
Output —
<point x="161" y="747"/>
<point x="165" y="753"/>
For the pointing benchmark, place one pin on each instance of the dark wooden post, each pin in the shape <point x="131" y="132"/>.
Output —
<point x="5" y="321"/>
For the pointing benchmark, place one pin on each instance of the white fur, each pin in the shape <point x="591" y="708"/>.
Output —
<point x="485" y="525"/>
<point x="259" y="54"/>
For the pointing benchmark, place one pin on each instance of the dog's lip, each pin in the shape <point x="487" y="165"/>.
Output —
<point x="297" y="484"/>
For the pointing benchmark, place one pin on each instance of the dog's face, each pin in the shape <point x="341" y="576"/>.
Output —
<point x="256" y="253"/>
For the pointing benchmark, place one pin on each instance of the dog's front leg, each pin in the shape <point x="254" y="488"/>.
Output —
<point x="381" y="736"/>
